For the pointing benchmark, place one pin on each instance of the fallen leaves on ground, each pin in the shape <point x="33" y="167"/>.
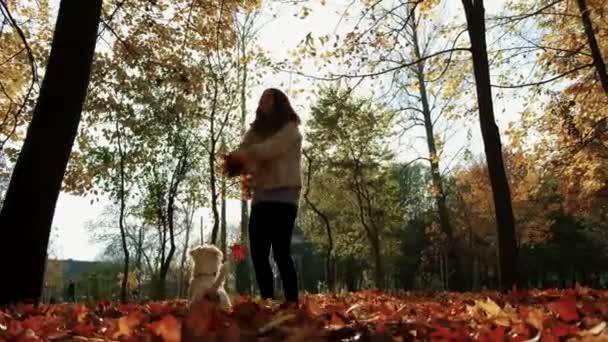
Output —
<point x="550" y="315"/>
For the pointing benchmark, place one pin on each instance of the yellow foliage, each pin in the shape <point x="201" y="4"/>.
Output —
<point x="477" y="212"/>
<point x="428" y="5"/>
<point x="132" y="280"/>
<point x="569" y="133"/>
<point x="16" y="72"/>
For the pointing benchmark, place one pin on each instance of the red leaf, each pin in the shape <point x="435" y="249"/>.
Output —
<point x="84" y="329"/>
<point x="233" y="334"/>
<point x="157" y="309"/>
<point x="239" y="252"/>
<point x="336" y="321"/>
<point x="441" y="333"/>
<point x="204" y="317"/>
<point x="565" y="308"/>
<point x="560" y="330"/>
<point x="15" y="328"/>
<point x="498" y="334"/>
<point x="380" y="328"/>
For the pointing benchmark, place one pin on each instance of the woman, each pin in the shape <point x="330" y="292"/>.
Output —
<point x="271" y="151"/>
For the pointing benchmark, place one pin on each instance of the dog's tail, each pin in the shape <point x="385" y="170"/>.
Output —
<point x="221" y="276"/>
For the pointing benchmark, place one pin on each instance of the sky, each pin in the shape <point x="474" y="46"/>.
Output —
<point x="278" y="36"/>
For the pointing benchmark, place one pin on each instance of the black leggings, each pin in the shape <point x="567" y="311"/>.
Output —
<point x="271" y="225"/>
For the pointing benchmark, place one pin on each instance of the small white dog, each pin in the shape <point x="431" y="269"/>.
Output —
<point x="208" y="275"/>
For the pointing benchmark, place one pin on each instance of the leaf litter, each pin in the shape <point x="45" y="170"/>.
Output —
<point x="579" y="314"/>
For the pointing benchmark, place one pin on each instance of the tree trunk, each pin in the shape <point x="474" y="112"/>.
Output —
<point x="596" y="52"/>
<point x="507" y="244"/>
<point x="455" y="280"/>
<point x="29" y="205"/>
<point x="329" y="273"/>
<point x="243" y="279"/>
<point x="121" y="218"/>
<point x="183" y="277"/>
<point x="178" y="176"/>
<point x="212" y="173"/>
<point x="224" y="222"/>
<point x="202" y="231"/>
<point x="379" y="276"/>
<point x="138" y="259"/>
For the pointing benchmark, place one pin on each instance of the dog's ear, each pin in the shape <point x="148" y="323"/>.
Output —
<point x="220" y="255"/>
<point x="193" y="252"/>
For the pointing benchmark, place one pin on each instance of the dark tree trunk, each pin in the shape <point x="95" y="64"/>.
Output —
<point x="27" y="214"/>
<point x="329" y="273"/>
<point x="138" y="258"/>
<point x="224" y="222"/>
<point x="212" y="173"/>
<point x="178" y="176"/>
<point x="369" y="223"/>
<point x="243" y="269"/>
<point x="596" y="52"/>
<point x="507" y="242"/>
<point x="183" y="276"/>
<point x="455" y="280"/>
<point x="379" y="275"/>
<point x="121" y="218"/>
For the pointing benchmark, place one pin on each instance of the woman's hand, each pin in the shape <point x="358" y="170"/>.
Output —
<point x="251" y="166"/>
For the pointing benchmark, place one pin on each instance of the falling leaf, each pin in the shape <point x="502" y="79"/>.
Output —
<point x="239" y="252"/>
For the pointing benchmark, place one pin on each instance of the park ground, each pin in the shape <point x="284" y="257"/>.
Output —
<point x="578" y="314"/>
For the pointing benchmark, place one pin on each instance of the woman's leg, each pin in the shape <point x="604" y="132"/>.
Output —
<point x="282" y="230"/>
<point x="259" y="241"/>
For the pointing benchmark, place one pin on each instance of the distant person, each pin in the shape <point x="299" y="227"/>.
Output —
<point x="71" y="292"/>
<point x="271" y="151"/>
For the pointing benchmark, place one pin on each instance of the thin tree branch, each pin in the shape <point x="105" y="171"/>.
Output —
<point x="552" y="79"/>
<point x="374" y="74"/>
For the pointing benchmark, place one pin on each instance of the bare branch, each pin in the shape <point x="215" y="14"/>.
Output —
<point x="552" y="79"/>
<point x="374" y="74"/>
<point x="521" y="17"/>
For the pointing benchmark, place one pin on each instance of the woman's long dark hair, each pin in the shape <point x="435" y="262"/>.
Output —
<point x="266" y="124"/>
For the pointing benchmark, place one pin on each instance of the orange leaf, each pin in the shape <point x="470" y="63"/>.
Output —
<point x="534" y="316"/>
<point x="168" y="328"/>
<point x="81" y="312"/>
<point x="126" y="324"/>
